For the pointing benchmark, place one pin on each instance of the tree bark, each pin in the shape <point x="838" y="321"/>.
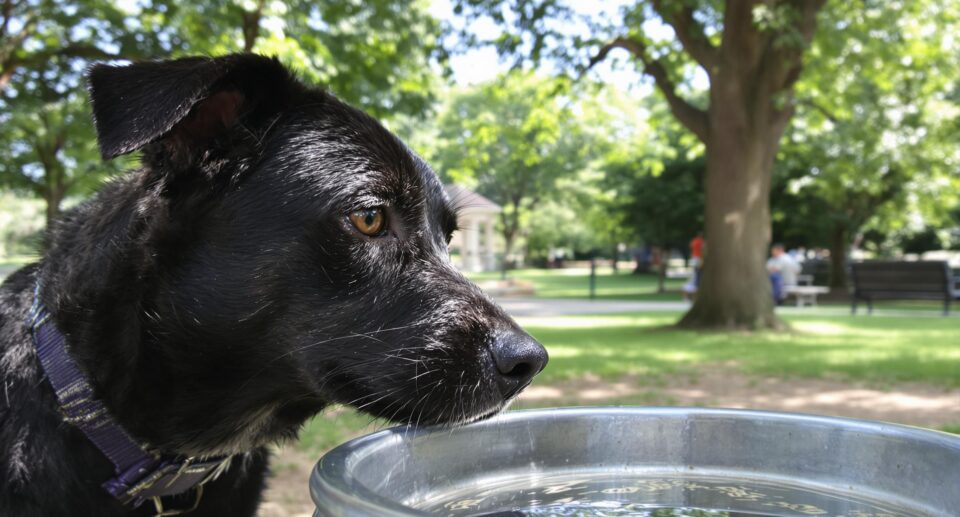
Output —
<point x="54" y="198"/>
<point x="662" y="277"/>
<point x="508" y="238"/>
<point x="614" y="256"/>
<point x="839" y="240"/>
<point x="251" y="26"/>
<point x="734" y="290"/>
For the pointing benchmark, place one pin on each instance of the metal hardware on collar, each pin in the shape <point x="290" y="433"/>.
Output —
<point x="158" y="504"/>
<point x="141" y="474"/>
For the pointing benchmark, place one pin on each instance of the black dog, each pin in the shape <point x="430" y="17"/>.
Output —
<point x="277" y="251"/>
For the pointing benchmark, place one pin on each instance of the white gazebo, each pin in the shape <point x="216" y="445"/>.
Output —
<point x="474" y="240"/>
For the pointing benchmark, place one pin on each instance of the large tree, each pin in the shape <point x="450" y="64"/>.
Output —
<point x="751" y="52"/>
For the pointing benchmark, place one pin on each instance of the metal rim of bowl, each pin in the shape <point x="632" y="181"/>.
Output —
<point x="330" y="483"/>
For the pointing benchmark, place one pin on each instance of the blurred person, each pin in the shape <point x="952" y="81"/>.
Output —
<point x="697" y="245"/>
<point x="783" y="272"/>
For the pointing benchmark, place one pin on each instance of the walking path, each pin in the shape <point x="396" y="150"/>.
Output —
<point x="564" y="307"/>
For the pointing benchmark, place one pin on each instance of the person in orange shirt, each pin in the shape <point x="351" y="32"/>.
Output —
<point x="696" y="262"/>
<point x="696" y="251"/>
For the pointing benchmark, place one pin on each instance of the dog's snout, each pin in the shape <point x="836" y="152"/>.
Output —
<point x="518" y="358"/>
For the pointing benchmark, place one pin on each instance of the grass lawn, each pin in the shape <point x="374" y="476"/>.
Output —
<point x="880" y="351"/>
<point x="575" y="283"/>
<point x="12" y="263"/>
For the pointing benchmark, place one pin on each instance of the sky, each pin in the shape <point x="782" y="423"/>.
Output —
<point x="479" y="65"/>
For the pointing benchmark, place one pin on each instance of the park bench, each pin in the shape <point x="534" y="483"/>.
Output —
<point x="887" y="280"/>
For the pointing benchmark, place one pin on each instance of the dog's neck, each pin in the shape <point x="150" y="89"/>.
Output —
<point x="102" y="269"/>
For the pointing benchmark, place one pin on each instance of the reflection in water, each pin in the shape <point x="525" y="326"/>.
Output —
<point x="616" y="496"/>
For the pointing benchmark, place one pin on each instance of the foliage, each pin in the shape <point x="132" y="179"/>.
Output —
<point x="873" y="143"/>
<point x="44" y="112"/>
<point x="512" y="140"/>
<point x="559" y="224"/>
<point x="664" y="209"/>
<point x="377" y="55"/>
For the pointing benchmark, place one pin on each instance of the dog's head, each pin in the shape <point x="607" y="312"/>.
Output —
<point x="297" y="253"/>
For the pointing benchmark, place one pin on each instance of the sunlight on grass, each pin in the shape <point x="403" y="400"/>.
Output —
<point x="565" y="351"/>
<point x="575" y="283"/>
<point x="881" y="350"/>
<point x="591" y="321"/>
<point x="820" y="327"/>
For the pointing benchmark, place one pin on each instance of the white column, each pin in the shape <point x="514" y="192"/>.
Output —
<point x="489" y="258"/>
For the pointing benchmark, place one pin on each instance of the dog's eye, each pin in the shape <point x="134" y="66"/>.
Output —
<point x="370" y="221"/>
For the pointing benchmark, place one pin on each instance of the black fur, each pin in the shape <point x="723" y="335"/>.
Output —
<point x="219" y="296"/>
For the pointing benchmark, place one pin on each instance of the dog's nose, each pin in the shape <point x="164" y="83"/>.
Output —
<point x="519" y="358"/>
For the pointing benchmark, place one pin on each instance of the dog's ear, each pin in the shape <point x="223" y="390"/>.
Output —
<point x="187" y="101"/>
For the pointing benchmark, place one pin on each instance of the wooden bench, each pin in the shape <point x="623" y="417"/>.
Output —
<point x="883" y="280"/>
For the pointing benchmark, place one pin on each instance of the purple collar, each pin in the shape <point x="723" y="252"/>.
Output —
<point x="141" y="473"/>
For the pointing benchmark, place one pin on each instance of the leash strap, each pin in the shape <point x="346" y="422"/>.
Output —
<point x="141" y="475"/>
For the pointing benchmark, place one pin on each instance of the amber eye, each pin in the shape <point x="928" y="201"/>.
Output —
<point x="370" y="221"/>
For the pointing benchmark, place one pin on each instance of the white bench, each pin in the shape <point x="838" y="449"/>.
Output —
<point x="806" y="294"/>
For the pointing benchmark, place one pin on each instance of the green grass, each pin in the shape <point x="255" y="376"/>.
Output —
<point x="334" y="427"/>
<point x="575" y="283"/>
<point x="889" y="349"/>
<point x="880" y="351"/>
<point x="12" y="263"/>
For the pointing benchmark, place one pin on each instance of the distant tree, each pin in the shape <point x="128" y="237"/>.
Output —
<point x="511" y="139"/>
<point x="45" y="127"/>
<point x="922" y="241"/>
<point x="663" y="208"/>
<point x="874" y="138"/>
<point x="34" y="34"/>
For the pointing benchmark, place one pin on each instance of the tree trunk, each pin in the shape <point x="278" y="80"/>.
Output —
<point x="838" y="256"/>
<point x="613" y="257"/>
<point x="508" y="238"/>
<point x="734" y="291"/>
<point x="53" y="197"/>
<point x="662" y="277"/>
<point x="251" y="26"/>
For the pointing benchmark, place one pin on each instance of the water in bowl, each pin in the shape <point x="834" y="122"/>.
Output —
<point x="605" y="495"/>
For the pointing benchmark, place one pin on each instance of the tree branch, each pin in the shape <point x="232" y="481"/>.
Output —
<point x="37" y="58"/>
<point x="10" y="46"/>
<point x="789" y="64"/>
<point x="690" y="33"/>
<point x="693" y="118"/>
<point x="251" y="26"/>
<point x="7" y="14"/>
<point x="810" y="103"/>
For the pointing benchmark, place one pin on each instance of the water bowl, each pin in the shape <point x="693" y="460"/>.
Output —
<point x="657" y="462"/>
